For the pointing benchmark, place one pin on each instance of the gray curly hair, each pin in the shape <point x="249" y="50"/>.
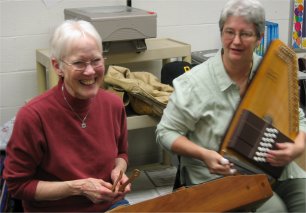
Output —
<point x="251" y="10"/>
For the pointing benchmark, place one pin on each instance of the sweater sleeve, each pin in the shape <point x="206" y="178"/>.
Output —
<point x="23" y="154"/>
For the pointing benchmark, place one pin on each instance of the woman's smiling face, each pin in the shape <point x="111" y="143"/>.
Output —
<point x="83" y="83"/>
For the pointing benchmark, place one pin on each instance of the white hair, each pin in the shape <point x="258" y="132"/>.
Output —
<point x="68" y="32"/>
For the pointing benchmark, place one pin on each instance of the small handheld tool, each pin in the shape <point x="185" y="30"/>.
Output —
<point x="134" y="175"/>
<point x="117" y="181"/>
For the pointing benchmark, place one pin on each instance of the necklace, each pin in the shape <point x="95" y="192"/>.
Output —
<point x="246" y="82"/>
<point x="83" y="124"/>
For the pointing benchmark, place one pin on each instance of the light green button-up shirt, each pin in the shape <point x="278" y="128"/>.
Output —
<point x="201" y="107"/>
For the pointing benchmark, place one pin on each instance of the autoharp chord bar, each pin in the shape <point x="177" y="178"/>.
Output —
<point x="253" y="138"/>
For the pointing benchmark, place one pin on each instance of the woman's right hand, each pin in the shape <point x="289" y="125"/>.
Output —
<point x="217" y="164"/>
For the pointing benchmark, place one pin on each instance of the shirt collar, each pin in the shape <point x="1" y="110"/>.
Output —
<point x="222" y="77"/>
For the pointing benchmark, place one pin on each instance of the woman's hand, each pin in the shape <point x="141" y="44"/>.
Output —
<point x="282" y="155"/>
<point x="213" y="160"/>
<point x="217" y="164"/>
<point x="115" y="174"/>
<point x="120" y="168"/>
<point x="97" y="190"/>
<point x="286" y="152"/>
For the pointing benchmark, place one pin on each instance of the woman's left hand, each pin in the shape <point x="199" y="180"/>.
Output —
<point x="286" y="152"/>
<point x="282" y="155"/>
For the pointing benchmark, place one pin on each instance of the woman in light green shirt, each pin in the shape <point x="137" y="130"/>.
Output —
<point x="204" y="100"/>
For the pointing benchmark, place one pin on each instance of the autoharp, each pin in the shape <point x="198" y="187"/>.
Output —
<point x="267" y="113"/>
<point x="217" y="195"/>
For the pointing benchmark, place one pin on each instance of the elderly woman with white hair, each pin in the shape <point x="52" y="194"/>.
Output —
<point x="193" y="125"/>
<point x="69" y="145"/>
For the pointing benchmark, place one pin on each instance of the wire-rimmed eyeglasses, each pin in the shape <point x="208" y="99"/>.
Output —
<point x="81" y="65"/>
<point x="230" y="34"/>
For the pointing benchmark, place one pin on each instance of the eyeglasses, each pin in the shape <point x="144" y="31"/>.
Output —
<point x="229" y="34"/>
<point x="81" y="65"/>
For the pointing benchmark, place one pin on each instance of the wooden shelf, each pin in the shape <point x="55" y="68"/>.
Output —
<point x="141" y="121"/>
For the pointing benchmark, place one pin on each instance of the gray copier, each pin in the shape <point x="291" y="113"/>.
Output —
<point x="122" y="28"/>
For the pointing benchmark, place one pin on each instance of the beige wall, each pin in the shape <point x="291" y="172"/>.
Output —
<point x="25" y="25"/>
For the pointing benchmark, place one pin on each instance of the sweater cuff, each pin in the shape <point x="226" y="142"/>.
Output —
<point x="123" y="156"/>
<point x="30" y="190"/>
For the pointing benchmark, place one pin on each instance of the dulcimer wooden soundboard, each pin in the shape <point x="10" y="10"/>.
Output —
<point x="220" y="195"/>
<point x="267" y="113"/>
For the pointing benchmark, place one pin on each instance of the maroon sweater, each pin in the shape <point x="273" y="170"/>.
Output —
<point x="49" y="144"/>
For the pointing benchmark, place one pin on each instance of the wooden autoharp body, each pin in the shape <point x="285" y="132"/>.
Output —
<point x="267" y="113"/>
<point x="214" y="196"/>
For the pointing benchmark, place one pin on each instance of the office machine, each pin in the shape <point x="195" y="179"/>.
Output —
<point x="122" y="28"/>
<point x="197" y="57"/>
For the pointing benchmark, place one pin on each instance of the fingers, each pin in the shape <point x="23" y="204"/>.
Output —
<point x="127" y="188"/>
<point x="134" y="175"/>
<point x="122" y="184"/>
<point x="226" y="162"/>
<point x="217" y="164"/>
<point x="98" y="191"/>
<point x="281" y="156"/>
<point x="278" y="160"/>
<point x="222" y="167"/>
<point x="117" y="181"/>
